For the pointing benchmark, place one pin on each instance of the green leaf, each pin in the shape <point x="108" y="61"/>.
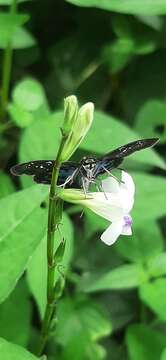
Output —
<point x="140" y="88"/>
<point x="19" y="116"/>
<point x="150" y="7"/>
<point x="90" y="315"/>
<point x="86" y="319"/>
<point x="123" y="277"/>
<point x="137" y="37"/>
<point x="157" y="265"/>
<point x="23" y="224"/>
<point x="132" y="38"/>
<point x="17" y="316"/>
<point x="41" y="139"/>
<point x="154" y="295"/>
<point x="116" y="352"/>
<point x="11" y="351"/>
<point x="9" y="2"/>
<point x="97" y="258"/>
<point x="7" y="186"/>
<point x="130" y="27"/>
<point x="118" y="54"/>
<point x="163" y="356"/>
<point x="153" y="21"/>
<point x="28" y="94"/>
<point x="150" y="198"/>
<point x="22" y="39"/>
<point x="144" y="343"/>
<point x="37" y="269"/>
<point x="112" y="134"/>
<point x="9" y="23"/>
<point x="150" y="120"/>
<point x="94" y="223"/>
<point x="146" y="242"/>
<point x="123" y="308"/>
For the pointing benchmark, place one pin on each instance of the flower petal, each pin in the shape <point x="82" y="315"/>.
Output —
<point x="108" y="199"/>
<point x="106" y="205"/>
<point x="128" y="183"/>
<point x="127" y="225"/>
<point x="110" y="210"/>
<point x="126" y="193"/>
<point x="123" y="191"/>
<point x="127" y="201"/>
<point x="112" y="233"/>
<point x="126" y="230"/>
<point x="110" y="185"/>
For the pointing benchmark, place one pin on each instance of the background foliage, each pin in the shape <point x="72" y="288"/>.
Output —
<point x="114" y="54"/>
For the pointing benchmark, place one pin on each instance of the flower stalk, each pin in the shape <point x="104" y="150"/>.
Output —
<point x="54" y="218"/>
<point x="6" y="69"/>
<point x="54" y="257"/>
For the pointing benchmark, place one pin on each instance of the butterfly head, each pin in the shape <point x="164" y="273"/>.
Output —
<point x="88" y="163"/>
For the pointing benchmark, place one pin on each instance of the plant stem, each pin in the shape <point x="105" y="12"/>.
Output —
<point x="6" y="126"/>
<point x="54" y="218"/>
<point x="143" y="314"/>
<point x="6" y="69"/>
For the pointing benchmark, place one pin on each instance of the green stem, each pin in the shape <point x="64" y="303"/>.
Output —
<point x="54" y="218"/>
<point x="6" y="69"/>
<point x="6" y="126"/>
<point x="143" y="314"/>
<point x="87" y="72"/>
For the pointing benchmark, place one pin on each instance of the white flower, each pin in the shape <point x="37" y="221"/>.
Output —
<point x="114" y="204"/>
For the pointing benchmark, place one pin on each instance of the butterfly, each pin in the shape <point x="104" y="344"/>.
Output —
<point x="81" y="174"/>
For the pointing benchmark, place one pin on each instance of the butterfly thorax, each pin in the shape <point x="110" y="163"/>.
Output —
<point x="87" y="171"/>
<point x="87" y="167"/>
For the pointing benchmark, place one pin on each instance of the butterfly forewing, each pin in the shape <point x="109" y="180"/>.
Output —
<point x="115" y="157"/>
<point x="33" y="167"/>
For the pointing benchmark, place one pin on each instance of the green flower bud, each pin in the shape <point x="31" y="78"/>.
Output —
<point x="58" y="289"/>
<point x="70" y="113"/>
<point x="79" y="129"/>
<point x="58" y="256"/>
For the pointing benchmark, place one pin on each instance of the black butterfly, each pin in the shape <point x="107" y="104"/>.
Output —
<point x="82" y="174"/>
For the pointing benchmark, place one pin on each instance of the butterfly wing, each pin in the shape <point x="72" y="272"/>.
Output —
<point x="114" y="158"/>
<point x="41" y="170"/>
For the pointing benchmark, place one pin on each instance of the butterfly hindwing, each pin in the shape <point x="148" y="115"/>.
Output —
<point x="41" y="170"/>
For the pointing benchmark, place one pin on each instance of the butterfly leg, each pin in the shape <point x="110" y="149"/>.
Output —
<point x="113" y="176"/>
<point x="100" y="188"/>
<point x="85" y="184"/>
<point x="70" y="178"/>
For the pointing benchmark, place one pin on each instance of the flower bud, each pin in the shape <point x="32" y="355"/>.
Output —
<point x="79" y="129"/>
<point x="58" y="256"/>
<point x="70" y="113"/>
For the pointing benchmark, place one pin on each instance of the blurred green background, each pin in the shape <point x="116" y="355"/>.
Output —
<point x="111" y="52"/>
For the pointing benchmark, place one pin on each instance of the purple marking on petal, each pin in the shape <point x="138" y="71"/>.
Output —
<point x="127" y="220"/>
